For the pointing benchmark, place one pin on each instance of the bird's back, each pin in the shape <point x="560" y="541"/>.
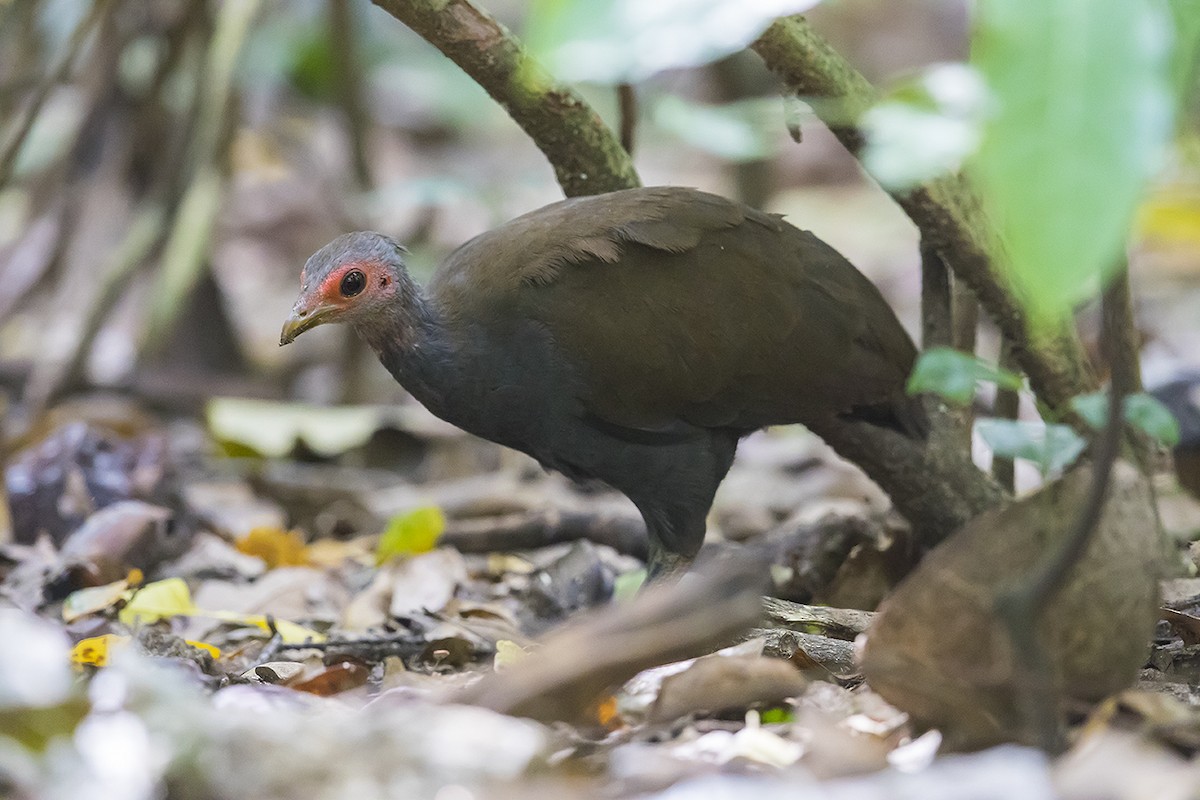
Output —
<point x="673" y="304"/>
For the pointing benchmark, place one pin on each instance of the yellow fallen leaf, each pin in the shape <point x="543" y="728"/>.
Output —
<point x="1171" y="216"/>
<point x="96" y="650"/>
<point x="289" y="632"/>
<point x="171" y="598"/>
<point x="277" y="547"/>
<point x="411" y="534"/>
<point x="212" y="650"/>
<point x="158" y="600"/>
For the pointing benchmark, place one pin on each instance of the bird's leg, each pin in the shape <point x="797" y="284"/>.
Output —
<point x="676" y="509"/>
<point x="668" y="562"/>
<point x="665" y="565"/>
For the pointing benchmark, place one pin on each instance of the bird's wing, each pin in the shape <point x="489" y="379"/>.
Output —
<point x="676" y="305"/>
<point x="537" y="248"/>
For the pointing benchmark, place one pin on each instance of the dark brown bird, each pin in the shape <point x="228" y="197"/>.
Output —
<point x="632" y="337"/>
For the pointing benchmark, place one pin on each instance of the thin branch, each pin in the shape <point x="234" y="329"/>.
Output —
<point x="187" y="244"/>
<point x="1121" y="332"/>
<point x="937" y="319"/>
<point x="667" y="622"/>
<point x="347" y="76"/>
<point x="941" y="327"/>
<point x="966" y="318"/>
<point x="587" y="158"/>
<point x="945" y="210"/>
<point x="343" y="40"/>
<point x="1007" y="406"/>
<point x="56" y="74"/>
<point x="624" y="532"/>
<point x="1022" y="607"/>
<point x="50" y="378"/>
<point x="627" y="101"/>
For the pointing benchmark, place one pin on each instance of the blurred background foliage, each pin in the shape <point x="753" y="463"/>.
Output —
<point x="166" y="166"/>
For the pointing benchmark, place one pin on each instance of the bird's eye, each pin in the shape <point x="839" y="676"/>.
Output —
<point x="353" y="283"/>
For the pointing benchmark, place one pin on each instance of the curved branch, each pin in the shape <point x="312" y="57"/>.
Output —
<point x="945" y="210"/>
<point x="586" y="156"/>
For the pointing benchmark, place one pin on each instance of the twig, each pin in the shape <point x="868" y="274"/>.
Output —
<point x="669" y="622"/>
<point x="945" y="210"/>
<point x="368" y="648"/>
<point x="50" y="378"/>
<point x="625" y="533"/>
<point x="966" y="318"/>
<point x="344" y="44"/>
<point x="587" y="158"/>
<point x="74" y="45"/>
<point x="627" y="102"/>
<point x="840" y="623"/>
<point x="343" y="41"/>
<point x="943" y="319"/>
<point x="814" y="552"/>
<point x="965" y="331"/>
<point x="937" y="319"/>
<point x="1022" y="606"/>
<point x="187" y="244"/>
<point x="1007" y="406"/>
<point x="183" y="256"/>
<point x="808" y="650"/>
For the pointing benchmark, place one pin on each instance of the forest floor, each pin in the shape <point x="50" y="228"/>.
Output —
<point x="229" y="597"/>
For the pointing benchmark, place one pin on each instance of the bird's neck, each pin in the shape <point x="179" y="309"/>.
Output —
<point x="412" y="341"/>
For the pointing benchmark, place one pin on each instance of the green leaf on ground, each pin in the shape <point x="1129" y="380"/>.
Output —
<point x="411" y="533"/>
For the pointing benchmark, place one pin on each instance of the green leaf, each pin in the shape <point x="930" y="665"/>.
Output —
<point x="1146" y="413"/>
<point x="1082" y="115"/>
<point x="1142" y="411"/>
<point x="1052" y="447"/>
<point x="411" y="534"/>
<point x="616" y="41"/>
<point x="1185" y="60"/>
<point x="954" y="375"/>
<point x="779" y="714"/>
<point x="1093" y="407"/>
<point x="627" y="584"/>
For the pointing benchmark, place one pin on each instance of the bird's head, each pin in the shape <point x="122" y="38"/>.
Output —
<point x="352" y="279"/>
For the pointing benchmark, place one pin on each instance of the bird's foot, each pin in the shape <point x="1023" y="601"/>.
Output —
<point x="665" y="566"/>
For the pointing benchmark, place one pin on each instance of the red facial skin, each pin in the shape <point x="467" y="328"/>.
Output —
<point x="326" y="303"/>
<point x="330" y="291"/>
